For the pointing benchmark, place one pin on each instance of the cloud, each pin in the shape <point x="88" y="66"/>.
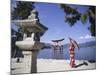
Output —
<point x="86" y="37"/>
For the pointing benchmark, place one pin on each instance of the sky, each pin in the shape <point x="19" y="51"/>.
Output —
<point x="52" y="16"/>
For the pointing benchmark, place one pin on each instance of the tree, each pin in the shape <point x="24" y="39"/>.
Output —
<point x="22" y="10"/>
<point x="73" y="15"/>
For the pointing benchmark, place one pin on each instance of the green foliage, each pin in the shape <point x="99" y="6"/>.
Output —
<point x="68" y="9"/>
<point x="72" y="19"/>
<point x="84" y="18"/>
<point x="92" y="29"/>
<point x="22" y="10"/>
<point x="73" y="15"/>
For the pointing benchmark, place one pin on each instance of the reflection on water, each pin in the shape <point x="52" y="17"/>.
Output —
<point x="88" y="53"/>
<point x="57" y="54"/>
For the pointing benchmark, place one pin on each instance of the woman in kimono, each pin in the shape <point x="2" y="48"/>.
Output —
<point x="72" y="45"/>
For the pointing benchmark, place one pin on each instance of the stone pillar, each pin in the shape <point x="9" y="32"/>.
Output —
<point x="27" y="60"/>
<point x="24" y="36"/>
<point x="34" y="62"/>
<point x="32" y="36"/>
<point x="30" y="60"/>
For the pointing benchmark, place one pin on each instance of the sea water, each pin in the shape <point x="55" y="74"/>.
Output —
<point x="85" y="53"/>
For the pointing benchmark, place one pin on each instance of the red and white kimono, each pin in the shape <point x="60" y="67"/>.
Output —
<point x="72" y="55"/>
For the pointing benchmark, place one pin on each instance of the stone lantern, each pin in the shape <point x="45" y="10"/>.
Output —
<point x="30" y="45"/>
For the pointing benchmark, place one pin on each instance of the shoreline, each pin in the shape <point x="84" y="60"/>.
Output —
<point x="63" y="65"/>
<point x="51" y="65"/>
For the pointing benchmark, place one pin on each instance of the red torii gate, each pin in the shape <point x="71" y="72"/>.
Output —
<point x="57" y="44"/>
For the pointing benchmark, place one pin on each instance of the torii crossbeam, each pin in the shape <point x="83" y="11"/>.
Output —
<point x="57" y="44"/>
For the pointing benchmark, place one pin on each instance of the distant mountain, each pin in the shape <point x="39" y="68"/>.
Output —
<point x="86" y="44"/>
<point x="47" y="45"/>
